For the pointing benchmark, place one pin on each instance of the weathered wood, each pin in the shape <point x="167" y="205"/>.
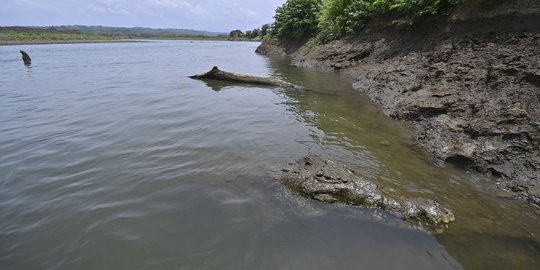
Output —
<point x="216" y="74"/>
<point x="26" y="58"/>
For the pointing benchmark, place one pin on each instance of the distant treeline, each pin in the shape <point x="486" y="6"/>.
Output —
<point x="21" y="29"/>
<point x="254" y="34"/>
<point x="17" y="34"/>
<point x="138" y="32"/>
<point x="115" y="32"/>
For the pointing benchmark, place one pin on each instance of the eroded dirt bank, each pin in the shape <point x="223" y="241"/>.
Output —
<point x="470" y="84"/>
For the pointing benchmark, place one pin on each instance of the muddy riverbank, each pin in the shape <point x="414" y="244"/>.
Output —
<point x="470" y="84"/>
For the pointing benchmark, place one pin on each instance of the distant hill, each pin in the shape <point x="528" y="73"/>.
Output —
<point x="127" y="32"/>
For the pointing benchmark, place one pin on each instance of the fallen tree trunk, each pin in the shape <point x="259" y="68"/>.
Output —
<point x="216" y="74"/>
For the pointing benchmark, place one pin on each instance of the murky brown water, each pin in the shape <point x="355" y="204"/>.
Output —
<point x="110" y="157"/>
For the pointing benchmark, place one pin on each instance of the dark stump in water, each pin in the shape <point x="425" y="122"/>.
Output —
<point x="326" y="181"/>
<point x="26" y="58"/>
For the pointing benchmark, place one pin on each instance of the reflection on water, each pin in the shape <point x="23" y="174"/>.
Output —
<point x="113" y="158"/>
<point x="217" y="85"/>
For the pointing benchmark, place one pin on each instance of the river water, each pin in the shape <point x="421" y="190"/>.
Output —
<point x="111" y="158"/>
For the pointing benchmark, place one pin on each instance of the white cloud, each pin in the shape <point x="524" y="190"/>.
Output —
<point x="184" y="6"/>
<point x="110" y="6"/>
<point x="213" y="15"/>
<point x="237" y="9"/>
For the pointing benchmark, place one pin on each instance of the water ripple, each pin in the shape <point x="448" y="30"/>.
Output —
<point x="118" y="160"/>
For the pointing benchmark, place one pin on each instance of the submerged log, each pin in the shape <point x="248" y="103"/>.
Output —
<point x="26" y="58"/>
<point x="216" y="74"/>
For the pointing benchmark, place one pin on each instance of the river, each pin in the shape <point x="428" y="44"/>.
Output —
<point x="111" y="158"/>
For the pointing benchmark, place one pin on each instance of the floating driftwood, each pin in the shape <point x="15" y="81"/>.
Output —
<point x="26" y="58"/>
<point x="216" y="74"/>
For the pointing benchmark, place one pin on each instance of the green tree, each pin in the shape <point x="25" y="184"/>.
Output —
<point x="255" y="33"/>
<point x="265" y="29"/>
<point x="412" y="10"/>
<point x="331" y="19"/>
<point x="339" y="17"/>
<point x="236" y="33"/>
<point x="297" y="19"/>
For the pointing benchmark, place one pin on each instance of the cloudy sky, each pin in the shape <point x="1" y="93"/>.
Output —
<point x="211" y="15"/>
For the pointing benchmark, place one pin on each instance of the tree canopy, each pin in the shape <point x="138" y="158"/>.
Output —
<point x="331" y="19"/>
<point x="297" y="18"/>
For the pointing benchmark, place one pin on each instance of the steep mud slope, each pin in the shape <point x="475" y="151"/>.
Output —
<point x="470" y="84"/>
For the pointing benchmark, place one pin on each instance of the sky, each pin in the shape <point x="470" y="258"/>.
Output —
<point x="210" y="15"/>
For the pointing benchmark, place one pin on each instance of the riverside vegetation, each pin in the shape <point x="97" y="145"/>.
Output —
<point x="465" y="73"/>
<point x="80" y="33"/>
<point x="38" y="35"/>
<point x="331" y="19"/>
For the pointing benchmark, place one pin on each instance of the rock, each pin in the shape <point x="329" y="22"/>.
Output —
<point x="326" y="181"/>
<point x="270" y="47"/>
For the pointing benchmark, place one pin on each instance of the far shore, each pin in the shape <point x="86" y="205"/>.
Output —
<point x="41" y="42"/>
<point x="44" y="42"/>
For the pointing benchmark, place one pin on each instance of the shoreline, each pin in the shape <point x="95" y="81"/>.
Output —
<point x="44" y="42"/>
<point x="471" y="93"/>
<point x="47" y="42"/>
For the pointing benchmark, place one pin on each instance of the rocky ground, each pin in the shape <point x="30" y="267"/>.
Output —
<point x="471" y="88"/>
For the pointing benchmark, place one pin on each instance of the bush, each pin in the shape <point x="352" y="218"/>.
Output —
<point x="297" y="19"/>
<point x="334" y="18"/>
<point x="411" y="10"/>
<point x="265" y="29"/>
<point x="339" y="17"/>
